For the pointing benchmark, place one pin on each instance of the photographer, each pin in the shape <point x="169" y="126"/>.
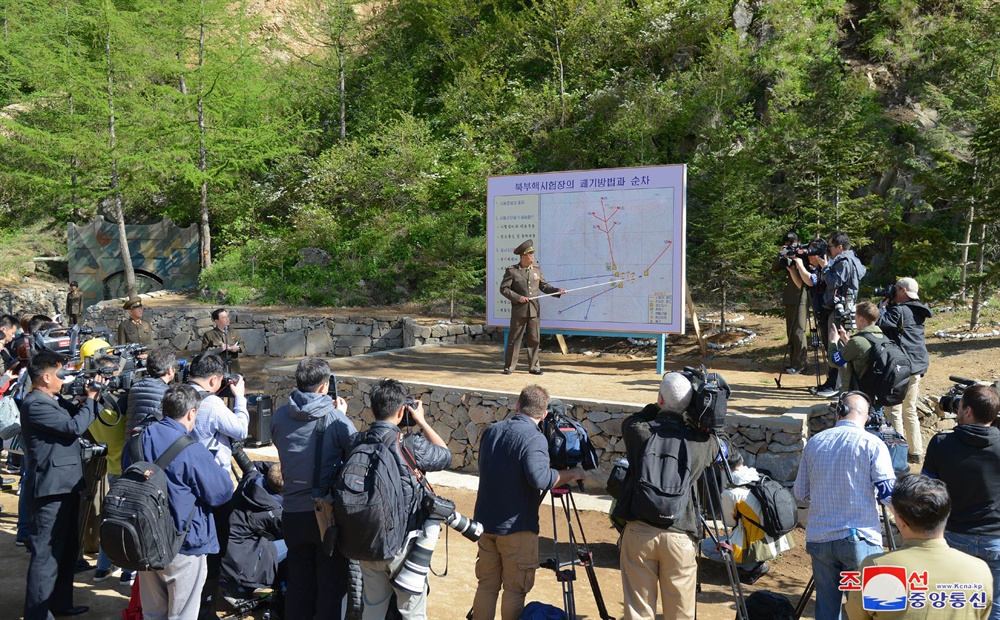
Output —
<point x="902" y="321"/>
<point x="51" y="427"/>
<point x="430" y="453"/>
<point x="850" y="354"/>
<point x="844" y="471"/>
<point x="317" y="582"/>
<point x="514" y="474"/>
<point x="217" y="425"/>
<point x="842" y="276"/>
<point x="793" y="297"/>
<point x="145" y="399"/>
<point x="967" y="461"/>
<point x="655" y="558"/>
<point x="809" y="273"/>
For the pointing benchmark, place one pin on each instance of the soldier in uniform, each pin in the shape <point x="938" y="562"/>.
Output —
<point x="74" y="303"/>
<point x="133" y="328"/>
<point x="522" y="284"/>
<point x="223" y="341"/>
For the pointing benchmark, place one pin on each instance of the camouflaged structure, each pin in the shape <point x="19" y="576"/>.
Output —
<point x="164" y="256"/>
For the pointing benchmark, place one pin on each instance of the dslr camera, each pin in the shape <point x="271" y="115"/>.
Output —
<point x="226" y="388"/>
<point x="90" y="449"/>
<point x="408" y="421"/>
<point x="843" y="312"/>
<point x="789" y="252"/>
<point x="888" y="291"/>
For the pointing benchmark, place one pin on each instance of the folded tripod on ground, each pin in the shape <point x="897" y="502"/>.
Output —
<point x="579" y="553"/>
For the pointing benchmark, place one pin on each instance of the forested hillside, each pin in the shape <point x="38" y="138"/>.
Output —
<point x="368" y="130"/>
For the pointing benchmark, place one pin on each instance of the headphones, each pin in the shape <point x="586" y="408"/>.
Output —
<point x="843" y="409"/>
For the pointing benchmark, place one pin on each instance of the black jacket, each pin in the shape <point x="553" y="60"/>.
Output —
<point x="251" y="559"/>
<point x="51" y="428"/>
<point x="967" y="460"/>
<point x="904" y="325"/>
<point x="144" y="399"/>
<point x="702" y="450"/>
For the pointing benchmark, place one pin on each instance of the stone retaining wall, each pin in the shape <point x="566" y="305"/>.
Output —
<point x="461" y="415"/>
<point x="180" y="327"/>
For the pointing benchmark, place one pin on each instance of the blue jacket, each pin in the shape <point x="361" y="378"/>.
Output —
<point x="514" y="474"/>
<point x="842" y="276"/>
<point x="293" y="430"/>
<point x="193" y="479"/>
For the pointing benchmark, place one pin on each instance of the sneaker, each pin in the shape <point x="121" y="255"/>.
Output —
<point x="101" y="574"/>
<point x="827" y="392"/>
<point x="792" y="370"/>
<point x="915" y="459"/>
<point x="127" y="579"/>
<point x="20" y="542"/>
<point x="751" y="576"/>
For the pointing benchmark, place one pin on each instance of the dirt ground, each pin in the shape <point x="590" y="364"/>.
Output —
<point x="597" y="368"/>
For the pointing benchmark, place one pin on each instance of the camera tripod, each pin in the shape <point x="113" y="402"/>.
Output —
<point x="811" y="585"/>
<point x="579" y="553"/>
<point x="814" y="341"/>
<point x="710" y="487"/>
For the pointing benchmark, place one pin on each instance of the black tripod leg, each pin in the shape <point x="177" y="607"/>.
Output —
<point x="711" y="486"/>
<point x="804" y="599"/>
<point x="587" y="560"/>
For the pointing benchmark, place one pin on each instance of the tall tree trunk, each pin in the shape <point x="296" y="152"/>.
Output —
<point x="343" y="90"/>
<point x="119" y="216"/>
<point x="205" y="231"/>
<point x="559" y="67"/>
<point x="977" y="291"/>
<point x="963" y="292"/>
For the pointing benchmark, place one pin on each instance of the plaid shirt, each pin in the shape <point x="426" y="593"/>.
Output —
<point x="838" y="473"/>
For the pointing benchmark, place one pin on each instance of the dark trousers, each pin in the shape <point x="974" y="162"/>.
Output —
<point x="214" y="561"/>
<point x="528" y="330"/>
<point x="317" y="584"/>
<point x="824" y="318"/>
<point x="796" y="322"/>
<point x="55" y="543"/>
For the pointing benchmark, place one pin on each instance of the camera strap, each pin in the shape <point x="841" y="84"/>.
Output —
<point x="318" y="458"/>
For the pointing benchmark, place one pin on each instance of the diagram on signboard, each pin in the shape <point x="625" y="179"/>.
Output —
<point x="611" y="250"/>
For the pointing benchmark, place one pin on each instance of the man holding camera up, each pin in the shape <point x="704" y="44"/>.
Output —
<point x="903" y="322"/>
<point x="850" y="353"/>
<point x="841" y="276"/>
<point x="312" y="428"/>
<point x="794" y="299"/>
<point x="658" y="557"/>
<point x="144" y="402"/>
<point x="51" y="427"/>
<point x="390" y="405"/>
<point x="514" y="474"/>
<point x="967" y="461"/>
<point x="217" y="425"/>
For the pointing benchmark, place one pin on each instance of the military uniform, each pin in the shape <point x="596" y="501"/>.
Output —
<point x="520" y="281"/>
<point x="74" y="306"/>
<point x="140" y="332"/>
<point x="215" y="338"/>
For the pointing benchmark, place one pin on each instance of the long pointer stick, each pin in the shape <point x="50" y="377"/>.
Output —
<point x="579" y="288"/>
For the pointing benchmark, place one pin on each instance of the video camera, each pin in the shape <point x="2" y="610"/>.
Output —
<point x="707" y="411"/>
<point x="413" y="573"/>
<point x="789" y="252"/>
<point x="949" y="401"/>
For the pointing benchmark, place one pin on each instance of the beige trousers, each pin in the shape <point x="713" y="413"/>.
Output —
<point x="904" y="417"/>
<point x="509" y="561"/>
<point x="657" y="562"/>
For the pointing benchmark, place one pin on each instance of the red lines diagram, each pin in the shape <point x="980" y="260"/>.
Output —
<point x="605" y="221"/>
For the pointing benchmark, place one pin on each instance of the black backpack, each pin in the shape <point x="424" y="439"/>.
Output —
<point x="368" y="499"/>
<point x="569" y="443"/>
<point x="137" y="531"/>
<point x="887" y="375"/>
<point x="767" y="605"/>
<point x="778" y="512"/>
<point x="663" y="488"/>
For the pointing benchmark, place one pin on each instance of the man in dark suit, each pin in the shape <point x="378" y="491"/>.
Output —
<point x="522" y="284"/>
<point x="52" y="427"/>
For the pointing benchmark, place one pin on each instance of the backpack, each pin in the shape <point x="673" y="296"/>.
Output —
<point x="778" y="512"/>
<point x="569" y="444"/>
<point x="663" y="489"/>
<point x="368" y="500"/>
<point x="887" y="375"/>
<point x="137" y="531"/>
<point x="542" y="611"/>
<point x="767" y="605"/>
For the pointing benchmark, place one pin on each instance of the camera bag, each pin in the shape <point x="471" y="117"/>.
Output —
<point x="569" y="443"/>
<point x="137" y="531"/>
<point x="368" y="500"/>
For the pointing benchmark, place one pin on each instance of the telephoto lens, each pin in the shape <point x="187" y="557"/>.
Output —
<point x="413" y="574"/>
<point x="465" y="526"/>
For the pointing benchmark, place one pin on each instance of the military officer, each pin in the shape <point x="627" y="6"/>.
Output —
<point x="522" y="284"/>
<point x="134" y="329"/>
<point x="74" y="303"/>
<point x="224" y="341"/>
